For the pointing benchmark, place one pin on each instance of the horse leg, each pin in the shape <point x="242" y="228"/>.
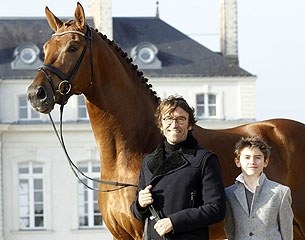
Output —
<point x="120" y="233"/>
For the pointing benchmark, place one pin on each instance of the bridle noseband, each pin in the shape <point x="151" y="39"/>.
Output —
<point x="65" y="86"/>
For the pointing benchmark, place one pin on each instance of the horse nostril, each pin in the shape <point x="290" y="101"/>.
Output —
<point x="41" y="94"/>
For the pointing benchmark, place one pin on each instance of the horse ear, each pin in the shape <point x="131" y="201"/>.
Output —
<point x="80" y="16"/>
<point x="53" y="21"/>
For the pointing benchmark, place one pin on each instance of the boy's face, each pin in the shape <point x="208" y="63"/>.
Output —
<point x="251" y="162"/>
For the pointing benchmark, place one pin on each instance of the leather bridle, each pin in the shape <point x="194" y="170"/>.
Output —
<point x="64" y="88"/>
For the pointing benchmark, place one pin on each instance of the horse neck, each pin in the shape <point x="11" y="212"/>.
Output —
<point x="120" y="107"/>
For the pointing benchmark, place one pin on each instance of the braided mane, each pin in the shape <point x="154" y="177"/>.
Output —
<point x="129" y="60"/>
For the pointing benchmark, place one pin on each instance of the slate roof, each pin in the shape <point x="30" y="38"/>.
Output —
<point x="179" y="54"/>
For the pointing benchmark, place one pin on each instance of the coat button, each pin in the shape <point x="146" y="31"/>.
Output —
<point x="251" y="234"/>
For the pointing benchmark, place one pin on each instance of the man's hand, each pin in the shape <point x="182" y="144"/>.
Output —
<point x="145" y="197"/>
<point x="163" y="226"/>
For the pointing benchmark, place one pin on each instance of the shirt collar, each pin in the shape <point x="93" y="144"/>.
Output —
<point x="240" y="178"/>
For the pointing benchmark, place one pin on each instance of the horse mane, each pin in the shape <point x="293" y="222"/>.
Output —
<point x="129" y="61"/>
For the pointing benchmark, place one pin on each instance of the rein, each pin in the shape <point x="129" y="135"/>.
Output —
<point x="77" y="172"/>
<point x="64" y="88"/>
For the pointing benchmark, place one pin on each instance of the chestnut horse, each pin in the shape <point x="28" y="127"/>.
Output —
<point x="121" y="109"/>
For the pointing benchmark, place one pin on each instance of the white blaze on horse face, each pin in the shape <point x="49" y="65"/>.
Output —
<point x="176" y="132"/>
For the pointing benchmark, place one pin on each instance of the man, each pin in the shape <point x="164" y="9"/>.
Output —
<point x="180" y="180"/>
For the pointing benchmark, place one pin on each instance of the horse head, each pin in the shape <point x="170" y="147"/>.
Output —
<point x="55" y="80"/>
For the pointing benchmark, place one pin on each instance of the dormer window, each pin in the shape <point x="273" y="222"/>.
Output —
<point x="145" y="56"/>
<point x="26" y="56"/>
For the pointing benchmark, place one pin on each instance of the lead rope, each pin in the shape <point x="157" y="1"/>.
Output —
<point x="76" y="170"/>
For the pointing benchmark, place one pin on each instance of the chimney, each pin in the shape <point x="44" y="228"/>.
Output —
<point x="101" y="11"/>
<point x="228" y="30"/>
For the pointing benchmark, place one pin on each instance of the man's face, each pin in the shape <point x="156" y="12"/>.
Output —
<point x="175" y="126"/>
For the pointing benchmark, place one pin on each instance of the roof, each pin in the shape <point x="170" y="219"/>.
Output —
<point x="179" y="54"/>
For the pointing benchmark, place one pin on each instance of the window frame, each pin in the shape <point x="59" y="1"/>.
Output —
<point x="88" y="199"/>
<point x="26" y="109"/>
<point x="30" y="179"/>
<point x="207" y="106"/>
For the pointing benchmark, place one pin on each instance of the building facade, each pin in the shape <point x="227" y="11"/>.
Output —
<point x="40" y="196"/>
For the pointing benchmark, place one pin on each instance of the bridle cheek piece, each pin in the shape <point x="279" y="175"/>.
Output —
<point x="65" y="85"/>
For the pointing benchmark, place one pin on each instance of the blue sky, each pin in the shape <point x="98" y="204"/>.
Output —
<point x="271" y="37"/>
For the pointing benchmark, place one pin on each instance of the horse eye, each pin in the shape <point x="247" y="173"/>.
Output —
<point x="72" y="48"/>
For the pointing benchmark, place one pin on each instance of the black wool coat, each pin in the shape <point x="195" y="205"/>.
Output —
<point x="187" y="187"/>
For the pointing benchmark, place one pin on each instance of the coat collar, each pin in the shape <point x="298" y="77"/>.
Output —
<point x="164" y="162"/>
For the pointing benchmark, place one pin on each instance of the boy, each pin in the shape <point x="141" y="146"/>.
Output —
<point x="257" y="208"/>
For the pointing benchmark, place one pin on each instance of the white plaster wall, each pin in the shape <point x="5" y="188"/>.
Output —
<point x="39" y="143"/>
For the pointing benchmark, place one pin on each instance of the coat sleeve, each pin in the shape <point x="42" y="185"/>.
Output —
<point x="286" y="216"/>
<point x="213" y="197"/>
<point x="139" y="212"/>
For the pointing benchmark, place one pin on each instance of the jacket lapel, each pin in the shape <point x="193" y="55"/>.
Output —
<point x="241" y="197"/>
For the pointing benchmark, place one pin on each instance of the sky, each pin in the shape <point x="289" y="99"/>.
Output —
<point x="271" y="40"/>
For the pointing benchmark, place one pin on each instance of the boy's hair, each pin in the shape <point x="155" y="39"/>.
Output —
<point x="169" y="105"/>
<point x="252" y="142"/>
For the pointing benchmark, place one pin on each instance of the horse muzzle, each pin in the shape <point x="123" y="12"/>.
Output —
<point x="42" y="99"/>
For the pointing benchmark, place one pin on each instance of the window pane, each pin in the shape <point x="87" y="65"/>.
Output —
<point x="82" y="110"/>
<point x="96" y="169"/>
<point x="38" y="197"/>
<point x="37" y="184"/>
<point x="82" y="113"/>
<point x="200" y="112"/>
<point x="96" y="208"/>
<point x="23" y="169"/>
<point x="37" y="168"/>
<point x="83" y="221"/>
<point x="212" y="99"/>
<point x="38" y="208"/>
<point x="24" y="211"/>
<point x="23" y="186"/>
<point x="83" y="168"/>
<point x="24" y="222"/>
<point x="200" y="98"/>
<point x="39" y="221"/>
<point x="86" y="208"/>
<point x="23" y="113"/>
<point x="212" y="111"/>
<point x="22" y="101"/>
<point x="98" y="220"/>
